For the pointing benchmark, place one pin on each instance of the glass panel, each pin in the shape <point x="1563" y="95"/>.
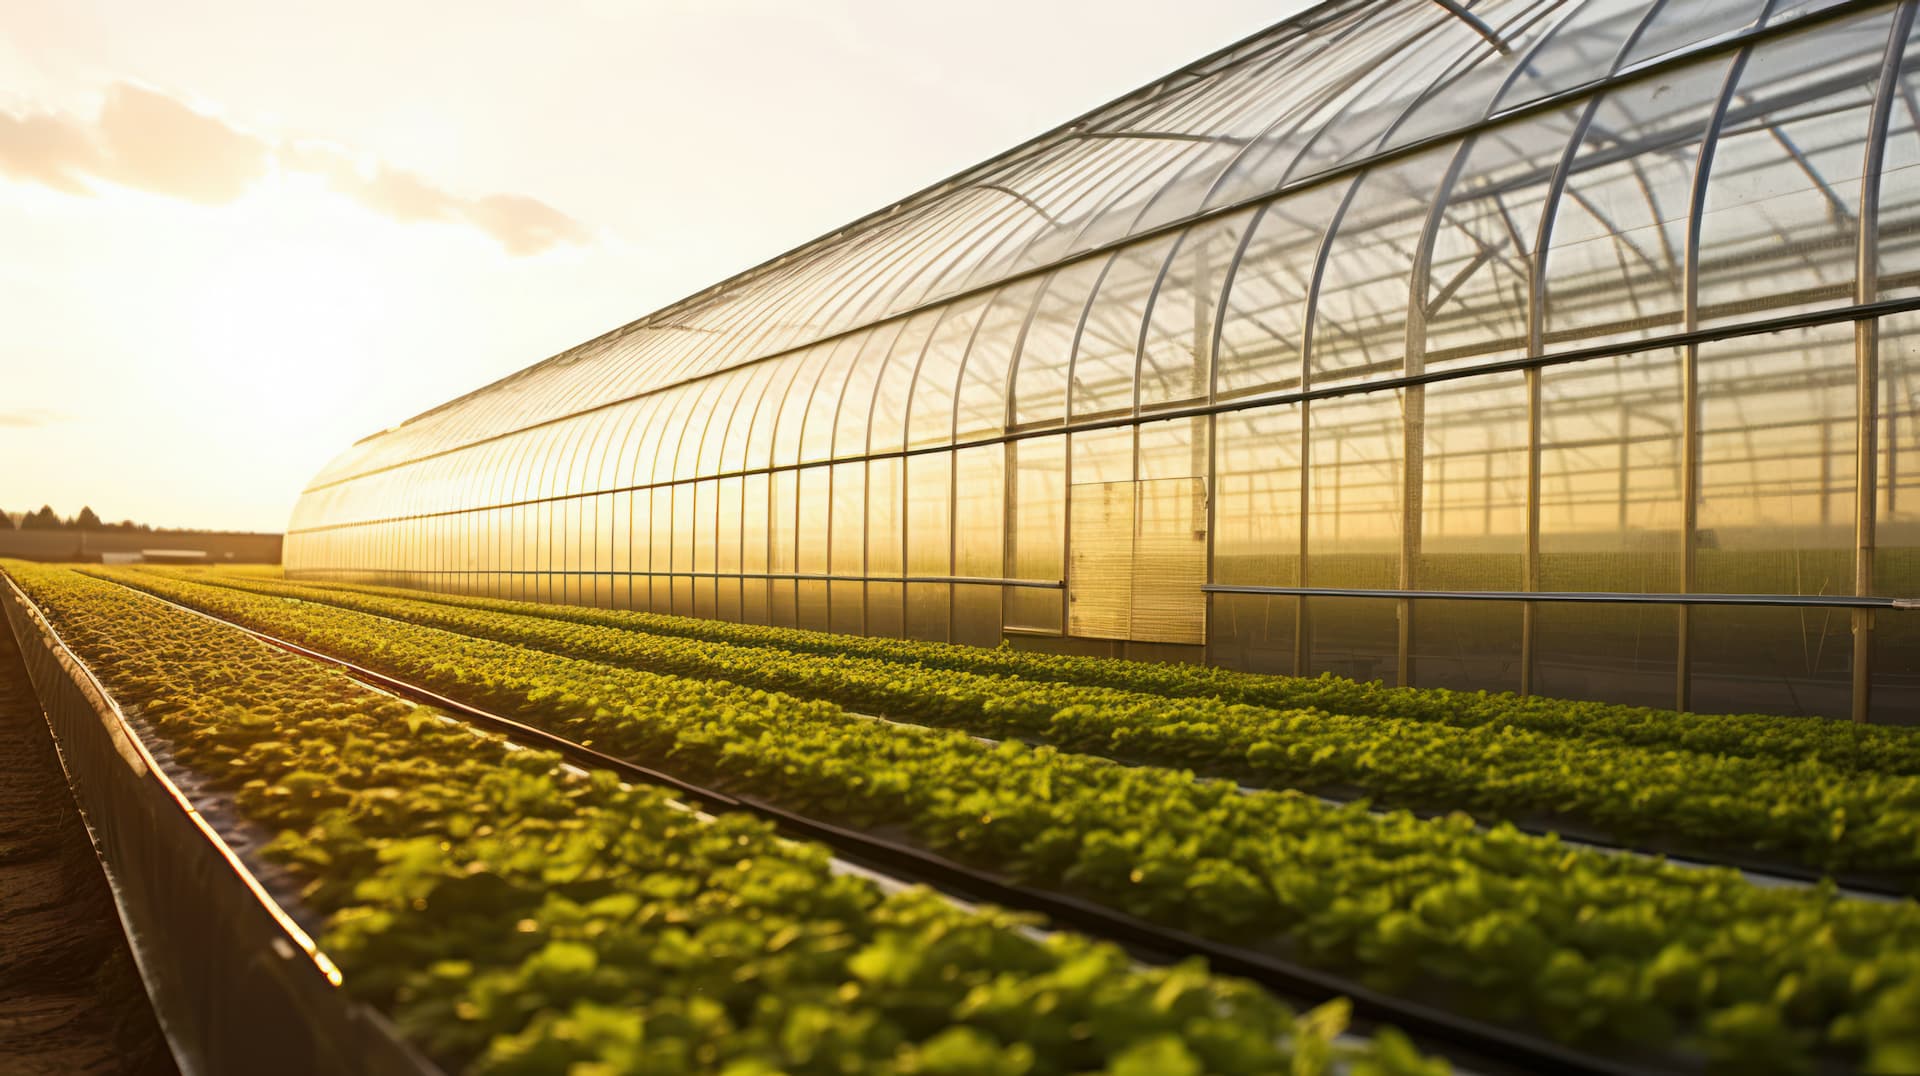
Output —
<point x="1615" y="265"/>
<point x="1263" y="326"/>
<point x="1037" y="531"/>
<point x="1473" y="511"/>
<point x="1109" y="342"/>
<point x="1776" y="464"/>
<point x="1610" y="505"/>
<point x="1176" y="361"/>
<point x="1783" y="198"/>
<point x="1354" y="491"/>
<point x="1040" y="373"/>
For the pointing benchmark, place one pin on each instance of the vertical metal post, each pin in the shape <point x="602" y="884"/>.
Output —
<point x="1530" y="564"/>
<point x="1690" y="381"/>
<point x="1866" y="359"/>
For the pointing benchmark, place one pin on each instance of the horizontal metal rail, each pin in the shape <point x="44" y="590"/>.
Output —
<point x="1825" y="601"/>
<point x="1464" y="1038"/>
<point x="804" y="577"/>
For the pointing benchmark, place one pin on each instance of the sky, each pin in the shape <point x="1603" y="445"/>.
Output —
<point x="240" y="236"/>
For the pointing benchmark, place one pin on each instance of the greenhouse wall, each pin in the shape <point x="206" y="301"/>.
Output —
<point x="1559" y="347"/>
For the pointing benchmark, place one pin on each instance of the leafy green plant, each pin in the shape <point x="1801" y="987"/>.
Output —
<point x="1613" y="952"/>
<point x="514" y="919"/>
<point x="1804" y="813"/>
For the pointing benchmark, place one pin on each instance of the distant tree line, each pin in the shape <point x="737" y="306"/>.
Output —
<point x="46" y="519"/>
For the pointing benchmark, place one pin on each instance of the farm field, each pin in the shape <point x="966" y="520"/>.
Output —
<point x="1014" y="762"/>
<point x="514" y="917"/>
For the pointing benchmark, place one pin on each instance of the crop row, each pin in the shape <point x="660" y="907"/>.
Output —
<point x="1806" y="813"/>
<point x="1842" y="745"/>
<point x="1615" y="953"/>
<point x="516" y="920"/>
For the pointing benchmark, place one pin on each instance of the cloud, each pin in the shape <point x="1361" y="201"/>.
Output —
<point x="28" y="418"/>
<point x="152" y="142"/>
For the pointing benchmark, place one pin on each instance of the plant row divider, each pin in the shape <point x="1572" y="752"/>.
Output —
<point x="1466" y="1039"/>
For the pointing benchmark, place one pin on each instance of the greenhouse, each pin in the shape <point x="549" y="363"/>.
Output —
<point x="1568" y="347"/>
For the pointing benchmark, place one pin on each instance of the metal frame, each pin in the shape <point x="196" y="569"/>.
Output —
<point x="1128" y="179"/>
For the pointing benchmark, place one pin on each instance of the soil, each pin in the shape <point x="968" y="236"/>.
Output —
<point x="71" y="1000"/>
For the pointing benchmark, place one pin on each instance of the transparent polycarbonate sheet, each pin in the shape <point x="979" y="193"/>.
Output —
<point x="1108" y="346"/>
<point x="1475" y="295"/>
<point x="783" y="527"/>
<point x="1479" y="73"/>
<point x="1100" y="576"/>
<point x="1607" y="653"/>
<point x="1473" y="513"/>
<point x="1616" y="264"/>
<point x="1896" y="558"/>
<point x="1354" y="486"/>
<point x="1762" y="660"/>
<point x="1466" y="645"/>
<point x="1354" y="638"/>
<point x="980" y="404"/>
<point x="1674" y="26"/>
<point x="1257" y="514"/>
<point x="1899" y="204"/>
<point x="1101" y="520"/>
<point x="815" y="512"/>
<point x="1263" y="322"/>
<point x="887" y="430"/>
<point x="1254" y="632"/>
<point x="1168" y="560"/>
<point x="979" y="542"/>
<point x="1036" y="530"/>
<point x="930" y="418"/>
<point x="753" y="547"/>
<point x="1610" y="474"/>
<point x="1777" y="433"/>
<point x="1360" y="314"/>
<point x="1780" y="229"/>
<point x="1046" y="352"/>
<point x="929" y="490"/>
<point x="1176" y="358"/>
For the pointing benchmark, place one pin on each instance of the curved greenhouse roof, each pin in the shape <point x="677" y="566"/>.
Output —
<point x="1367" y="344"/>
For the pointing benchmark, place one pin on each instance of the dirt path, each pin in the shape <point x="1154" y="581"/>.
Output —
<point x="70" y="999"/>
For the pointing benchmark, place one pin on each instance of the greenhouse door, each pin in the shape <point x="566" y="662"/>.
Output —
<point x="1139" y="558"/>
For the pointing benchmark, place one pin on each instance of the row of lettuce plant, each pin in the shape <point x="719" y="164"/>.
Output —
<point x="1615" y="953"/>
<point x="1804" y="813"/>
<point x="1840" y="744"/>
<point x="515" y="919"/>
